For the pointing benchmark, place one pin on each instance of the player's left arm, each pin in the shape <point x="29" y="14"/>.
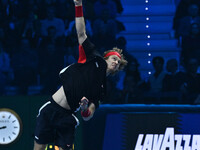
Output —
<point x="86" y="48"/>
<point x="87" y="111"/>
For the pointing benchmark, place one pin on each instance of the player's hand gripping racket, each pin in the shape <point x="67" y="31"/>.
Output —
<point x="84" y="104"/>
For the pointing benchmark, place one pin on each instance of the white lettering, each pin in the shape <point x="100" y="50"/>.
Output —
<point x="148" y="142"/>
<point x="178" y="138"/>
<point x="139" y="142"/>
<point x="196" y="142"/>
<point x="168" y="141"/>
<point x="157" y="141"/>
<point x="186" y="138"/>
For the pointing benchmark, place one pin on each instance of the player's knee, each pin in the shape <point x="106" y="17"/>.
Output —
<point x="39" y="146"/>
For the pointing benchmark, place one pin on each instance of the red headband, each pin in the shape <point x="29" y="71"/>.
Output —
<point x="113" y="53"/>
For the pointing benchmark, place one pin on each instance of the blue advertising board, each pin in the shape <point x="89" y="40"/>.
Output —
<point x="143" y="127"/>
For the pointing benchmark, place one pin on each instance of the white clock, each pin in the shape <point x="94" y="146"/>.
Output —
<point x="10" y="126"/>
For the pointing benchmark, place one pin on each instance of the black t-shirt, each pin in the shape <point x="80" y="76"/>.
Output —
<point x="85" y="78"/>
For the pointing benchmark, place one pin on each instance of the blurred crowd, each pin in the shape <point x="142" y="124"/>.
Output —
<point x="38" y="39"/>
<point x="187" y="29"/>
<point x="168" y="84"/>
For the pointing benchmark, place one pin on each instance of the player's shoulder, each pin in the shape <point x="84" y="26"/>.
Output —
<point x="88" y="44"/>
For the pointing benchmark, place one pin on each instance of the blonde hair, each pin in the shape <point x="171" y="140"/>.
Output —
<point x="123" y="62"/>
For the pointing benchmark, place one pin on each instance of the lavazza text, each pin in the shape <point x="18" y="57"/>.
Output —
<point x="168" y="141"/>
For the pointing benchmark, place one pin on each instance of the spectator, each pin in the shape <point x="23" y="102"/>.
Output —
<point x="133" y="70"/>
<point x="190" y="87"/>
<point x="114" y="95"/>
<point x="133" y="85"/>
<point x="191" y="44"/>
<point x="24" y="63"/>
<point x="50" y="64"/>
<point x="6" y="72"/>
<point x="2" y="12"/>
<point x="2" y="38"/>
<point x="119" y="6"/>
<point x="71" y="28"/>
<point x="64" y="10"/>
<point x="105" y="30"/>
<point x="32" y="6"/>
<point x="51" y="38"/>
<point x="31" y="29"/>
<point x="171" y="78"/>
<point x="182" y="11"/>
<point x="43" y="6"/>
<point x="13" y="30"/>
<point x="132" y="65"/>
<point x="172" y="83"/>
<point x="186" y="22"/>
<point x="154" y="85"/>
<point x="69" y="57"/>
<point x="51" y="20"/>
<point x="105" y="5"/>
<point x="156" y="79"/>
<point x="88" y="10"/>
<point x="121" y="43"/>
<point x="72" y="40"/>
<point x="105" y="26"/>
<point x="15" y="8"/>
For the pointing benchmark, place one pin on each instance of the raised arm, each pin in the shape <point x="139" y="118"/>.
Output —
<point x="80" y="22"/>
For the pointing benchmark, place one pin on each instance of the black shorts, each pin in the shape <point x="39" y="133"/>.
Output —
<point x="54" y="124"/>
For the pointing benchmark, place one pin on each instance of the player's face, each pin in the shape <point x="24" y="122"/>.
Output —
<point x="113" y="63"/>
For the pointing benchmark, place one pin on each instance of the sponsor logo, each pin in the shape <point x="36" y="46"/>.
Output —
<point x="37" y="137"/>
<point x="168" y="141"/>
